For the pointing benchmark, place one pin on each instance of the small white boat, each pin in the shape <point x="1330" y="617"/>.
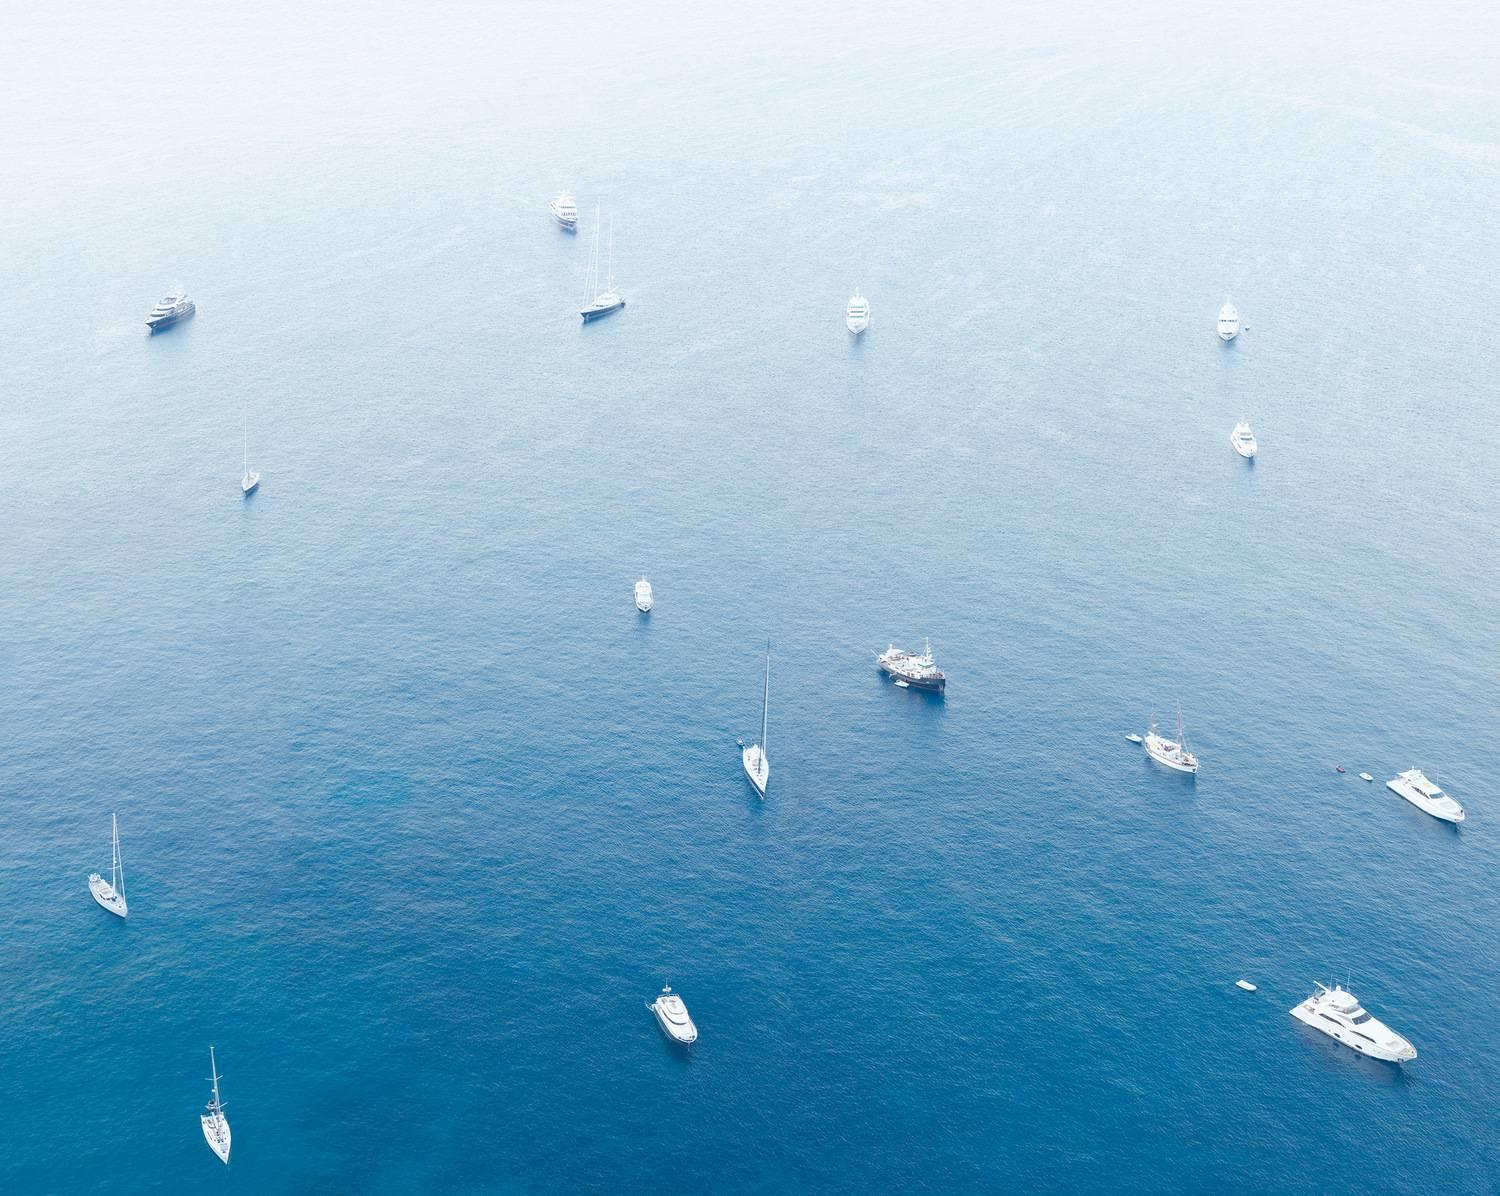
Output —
<point x="643" y="596"/>
<point x="1133" y="737"/>
<point x="757" y="766"/>
<point x="1426" y="796"/>
<point x="672" y="1017"/>
<point x="111" y="893"/>
<point x="215" y="1124"/>
<point x="1245" y="984"/>
<point x="1364" y="776"/>
<point x="1336" y="1012"/>
<point x="598" y="303"/>
<point x="1170" y="753"/>
<point x="857" y="315"/>
<point x="1229" y="322"/>
<point x="903" y="684"/>
<point x="565" y="211"/>
<point x="1243" y="440"/>
<point x="249" y="480"/>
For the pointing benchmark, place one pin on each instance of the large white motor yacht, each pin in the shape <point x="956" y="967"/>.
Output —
<point x="1172" y="754"/>
<point x="1337" y="1013"/>
<point x="1243" y="440"/>
<point x="1426" y="796"/>
<point x="1229" y="322"/>
<point x="643" y="596"/>
<point x="858" y="315"/>
<point x="565" y="212"/>
<point x="672" y="1016"/>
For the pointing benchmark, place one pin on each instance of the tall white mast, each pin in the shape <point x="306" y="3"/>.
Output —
<point x="610" y="286"/>
<point x="765" y="703"/>
<point x="213" y="1066"/>
<point x="116" y="866"/>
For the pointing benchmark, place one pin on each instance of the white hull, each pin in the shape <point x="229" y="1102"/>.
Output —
<point x="757" y="767"/>
<point x="643" y="596"/>
<point x="1245" y="449"/>
<point x="1163" y="751"/>
<point x="643" y="605"/>
<point x="1445" y="811"/>
<point x="857" y="326"/>
<point x="249" y="483"/>
<point x="672" y="1016"/>
<point x="107" y="898"/>
<point x="1372" y="1038"/>
<point x="216" y="1134"/>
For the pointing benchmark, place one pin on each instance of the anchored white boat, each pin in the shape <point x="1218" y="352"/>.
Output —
<point x="249" y="480"/>
<point x="1337" y="1013"/>
<point x="1171" y="753"/>
<point x="215" y="1124"/>
<point x="598" y="303"/>
<point x="1243" y="440"/>
<point x="643" y="596"/>
<point x="565" y="211"/>
<point x="1426" y="796"/>
<point x="672" y="1017"/>
<point x="1229" y="322"/>
<point x="757" y="767"/>
<point x="857" y="317"/>
<point x="111" y="893"/>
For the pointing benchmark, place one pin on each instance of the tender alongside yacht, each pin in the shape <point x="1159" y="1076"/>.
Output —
<point x="643" y="596"/>
<point x="1170" y="753"/>
<point x="1243" y="440"/>
<point x="1426" y="796"/>
<point x="914" y="670"/>
<point x="111" y="893"/>
<point x="215" y="1124"/>
<point x="672" y="1017"/>
<point x="1229" y="322"/>
<point x="565" y="212"/>
<point x="757" y="766"/>
<point x="1337" y="1013"/>
<point x="171" y="310"/>
<point x="857" y="316"/>
<point x="598" y="303"/>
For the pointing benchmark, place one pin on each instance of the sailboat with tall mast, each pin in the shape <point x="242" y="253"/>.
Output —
<point x="596" y="302"/>
<point x="1171" y="753"/>
<point x="111" y="893"/>
<point x="215" y="1124"/>
<point x="249" y="480"/>
<point x="757" y="766"/>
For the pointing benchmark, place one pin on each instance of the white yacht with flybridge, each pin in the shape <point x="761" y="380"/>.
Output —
<point x="1170" y="753"/>
<point x="1243" y="440"/>
<point x="565" y="211"/>
<point x="215" y="1124"/>
<point x="643" y="596"/>
<point x="111" y="893"/>
<point x="175" y="308"/>
<point x="1229" y="322"/>
<point x="1337" y="1013"/>
<point x="596" y="302"/>
<point x="757" y="766"/>
<point x="1426" y="796"/>
<point x="672" y="1017"/>
<point x="857" y="315"/>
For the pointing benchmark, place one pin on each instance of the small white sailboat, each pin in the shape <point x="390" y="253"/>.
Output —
<point x="598" y="303"/>
<point x="249" y="480"/>
<point x="857" y="315"/>
<point x="111" y="893"/>
<point x="565" y="211"/>
<point x="1170" y="753"/>
<point x="757" y="766"/>
<point x="1229" y="322"/>
<point x="1243" y="440"/>
<point x="215" y="1124"/>
<point x="643" y="596"/>
<point x="672" y="1016"/>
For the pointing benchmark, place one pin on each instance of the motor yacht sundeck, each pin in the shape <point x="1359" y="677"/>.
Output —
<point x="1426" y="796"/>
<point x="169" y="311"/>
<point x="1243" y="440"/>
<point x="1170" y="753"/>
<point x="672" y="1017"/>
<point x="857" y="317"/>
<point x="565" y="212"/>
<point x="643" y="596"/>
<point x="1229" y="322"/>
<point x="1337" y="1013"/>
<point x="111" y="893"/>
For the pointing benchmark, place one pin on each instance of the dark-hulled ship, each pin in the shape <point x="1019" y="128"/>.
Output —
<point x="912" y="669"/>
<point x="169" y="311"/>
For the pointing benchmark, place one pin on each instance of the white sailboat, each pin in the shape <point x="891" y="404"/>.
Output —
<point x="757" y="766"/>
<point x="1172" y="753"/>
<point x="596" y="302"/>
<point x="249" y="480"/>
<point x="215" y="1124"/>
<point x="111" y="893"/>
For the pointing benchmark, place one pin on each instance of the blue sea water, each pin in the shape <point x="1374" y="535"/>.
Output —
<point x="417" y="812"/>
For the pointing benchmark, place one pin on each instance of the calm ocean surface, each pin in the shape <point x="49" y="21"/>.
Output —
<point x="417" y="812"/>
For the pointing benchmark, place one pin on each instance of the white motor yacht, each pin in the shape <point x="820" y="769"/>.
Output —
<point x="215" y="1124"/>
<point x="1337" y="1013"/>
<point x="1243" y="440"/>
<point x="111" y="893"/>
<point x="643" y="596"/>
<point x="857" y="317"/>
<point x="1229" y="322"/>
<point x="757" y="766"/>
<point x="1172" y="754"/>
<point x="672" y="1016"/>
<point x="175" y="308"/>
<point x="1426" y="796"/>
<point x="565" y="211"/>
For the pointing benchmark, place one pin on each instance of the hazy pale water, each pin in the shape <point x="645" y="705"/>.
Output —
<point x="418" y="813"/>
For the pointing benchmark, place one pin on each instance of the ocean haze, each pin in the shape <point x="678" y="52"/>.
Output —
<point x="417" y="812"/>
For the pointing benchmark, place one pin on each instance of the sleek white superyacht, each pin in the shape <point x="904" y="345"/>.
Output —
<point x="1337" y="1013"/>
<point x="1229" y="322"/>
<point x="1426" y="796"/>
<point x="1243" y="440"/>
<point x="643" y="596"/>
<point x="565" y="212"/>
<point x="857" y="315"/>
<point x="672" y="1016"/>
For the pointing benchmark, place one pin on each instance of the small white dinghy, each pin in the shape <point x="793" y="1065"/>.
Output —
<point x="1364" y="776"/>
<point x="1134" y="738"/>
<point x="111" y="893"/>
<point x="672" y="1017"/>
<point x="1245" y="984"/>
<point x="215" y="1124"/>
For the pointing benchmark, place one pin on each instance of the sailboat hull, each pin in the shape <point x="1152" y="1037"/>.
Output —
<point x="757" y="767"/>
<point x="216" y="1134"/>
<point x="103" y="892"/>
<point x="598" y="312"/>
